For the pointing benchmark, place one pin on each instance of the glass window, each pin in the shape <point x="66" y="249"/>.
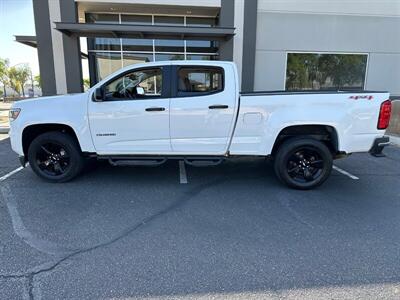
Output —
<point x="163" y="57"/>
<point x="107" y="63"/>
<point x="201" y="46"/>
<point x="125" y="87"/>
<point x="201" y="57"/>
<point x="136" y="19"/>
<point x="313" y="71"/>
<point x="107" y="44"/>
<point x="102" y="18"/>
<point x="171" y="21"/>
<point x="200" y="79"/>
<point x="169" y="45"/>
<point x="137" y="45"/>
<point x="136" y="58"/>
<point x="200" y="22"/>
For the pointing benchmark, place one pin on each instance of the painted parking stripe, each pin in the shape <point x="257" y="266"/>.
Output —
<point x="11" y="173"/>
<point x="345" y="173"/>
<point x="182" y="172"/>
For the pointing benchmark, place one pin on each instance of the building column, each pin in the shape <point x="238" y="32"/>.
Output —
<point x="249" y="45"/>
<point x="71" y="49"/>
<point x="59" y="54"/>
<point x="227" y="19"/>
<point x="45" y="47"/>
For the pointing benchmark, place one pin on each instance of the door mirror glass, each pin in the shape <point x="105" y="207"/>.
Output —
<point x="99" y="94"/>
<point x="139" y="91"/>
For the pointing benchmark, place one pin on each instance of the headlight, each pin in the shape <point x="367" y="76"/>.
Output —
<point x="14" y="113"/>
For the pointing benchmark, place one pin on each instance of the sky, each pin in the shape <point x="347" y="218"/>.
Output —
<point x="16" y="18"/>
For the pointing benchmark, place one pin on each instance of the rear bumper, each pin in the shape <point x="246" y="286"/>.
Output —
<point x="378" y="145"/>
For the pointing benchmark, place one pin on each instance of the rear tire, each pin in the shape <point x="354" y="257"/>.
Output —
<point x="303" y="163"/>
<point x="55" y="157"/>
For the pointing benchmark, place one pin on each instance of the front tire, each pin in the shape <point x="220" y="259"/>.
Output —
<point x="303" y="163"/>
<point x="55" y="157"/>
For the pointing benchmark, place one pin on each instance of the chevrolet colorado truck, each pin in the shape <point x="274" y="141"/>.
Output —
<point x="193" y="111"/>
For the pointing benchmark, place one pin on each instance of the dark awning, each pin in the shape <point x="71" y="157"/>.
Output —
<point x="30" y="40"/>
<point x="145" y="31"/>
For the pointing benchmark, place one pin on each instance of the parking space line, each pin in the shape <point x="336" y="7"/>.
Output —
<point x="11" y="173"/>
<point x="345" y="173"/>
<point x="182" y="172"/>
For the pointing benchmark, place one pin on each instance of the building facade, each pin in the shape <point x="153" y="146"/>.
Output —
<point x="276" y="45"/>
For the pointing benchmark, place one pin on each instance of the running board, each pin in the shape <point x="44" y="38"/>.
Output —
<point x="137" y="162"/>
<point x="206" y="162"/>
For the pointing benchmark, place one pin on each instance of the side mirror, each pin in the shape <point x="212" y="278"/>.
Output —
<point x="139" y="91"/>
<point x="99" y="94"/>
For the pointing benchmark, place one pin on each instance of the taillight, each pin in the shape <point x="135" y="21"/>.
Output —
<point x="384" y="114"/>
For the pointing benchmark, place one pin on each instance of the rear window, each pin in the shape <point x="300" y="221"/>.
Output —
<point x="200" y="80"/>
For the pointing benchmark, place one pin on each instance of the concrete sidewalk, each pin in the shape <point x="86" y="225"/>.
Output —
<point x="4" y="124"/>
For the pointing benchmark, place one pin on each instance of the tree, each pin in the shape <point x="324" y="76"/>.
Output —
<point x="23" y="74"/>
<point x="13" y="80"/>
<point x="4" y="64"/>
<point x="18" y="76"/>
<point x="86" y="83"/>
<point x="38" y="81"/>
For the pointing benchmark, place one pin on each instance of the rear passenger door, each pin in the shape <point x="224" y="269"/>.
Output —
<point x="201" y="109"/>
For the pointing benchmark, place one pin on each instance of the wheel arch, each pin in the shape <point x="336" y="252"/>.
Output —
<point x="32" y="131"/>
<point x="325" y="133"/>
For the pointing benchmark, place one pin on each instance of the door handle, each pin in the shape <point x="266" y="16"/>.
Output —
<point x="155" y="109"/>
<point x="218" y="106"/>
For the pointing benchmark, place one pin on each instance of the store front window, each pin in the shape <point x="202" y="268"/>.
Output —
<point x="111" y="54"/>
<point x="325" y="71"/>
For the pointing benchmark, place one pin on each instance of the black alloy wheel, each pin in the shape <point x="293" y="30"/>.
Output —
<point x="303" y="163"/>
<point x="55" y="156"/>
<point x="53" y="159"/>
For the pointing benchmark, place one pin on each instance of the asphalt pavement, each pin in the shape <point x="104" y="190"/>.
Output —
<point x="231" y="232"/>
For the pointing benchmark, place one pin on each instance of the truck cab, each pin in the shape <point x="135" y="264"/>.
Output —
<point x="166" y="109"/>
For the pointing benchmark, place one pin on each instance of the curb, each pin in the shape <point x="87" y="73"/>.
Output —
<point x="395" y="140"/>
<point x="4" y="130"/>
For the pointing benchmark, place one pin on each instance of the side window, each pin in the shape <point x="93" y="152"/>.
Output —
<point x="140" y="84"/>
<point x="197" y="81"/>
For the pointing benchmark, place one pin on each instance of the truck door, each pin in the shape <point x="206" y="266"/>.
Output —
<point x="133" y="115"/>
<point x="202" y="109"/>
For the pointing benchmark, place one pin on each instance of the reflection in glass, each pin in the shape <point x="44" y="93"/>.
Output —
<point x="137" y="45"/>
<point x="201" y="57"/>
<point x="137" y="58"/>
<point x="200" y="22"/>
<point x="107" y="63"/>
<point x="171" y="21"/>
<point x="201" y="46"/>
<point x="164" y="57"/>
<point x="102" y="18"/>
<point x="169" y="45"/>
<point x="107" y="44"/>
<point x="313" y="71"/>
<point x="136" y="19"/>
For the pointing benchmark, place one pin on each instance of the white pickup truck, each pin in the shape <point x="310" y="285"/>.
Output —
<point x="193" y="111"/>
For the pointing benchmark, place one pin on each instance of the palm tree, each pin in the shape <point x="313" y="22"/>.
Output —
<point x="23" y="75"/>
<point x="4" y="63"/>
<point x="14" y="80"/>
<point x="18" y="76"/>
<point x="38" y="81"/>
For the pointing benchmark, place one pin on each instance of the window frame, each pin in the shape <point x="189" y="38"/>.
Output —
<point x="165" y="89"/>
<point x="180" y="94"/>
<point x="327" y="52"/>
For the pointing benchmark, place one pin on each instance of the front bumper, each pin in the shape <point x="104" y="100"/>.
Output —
<point x="22" y="161"/>
<point x="378" y="145"/>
